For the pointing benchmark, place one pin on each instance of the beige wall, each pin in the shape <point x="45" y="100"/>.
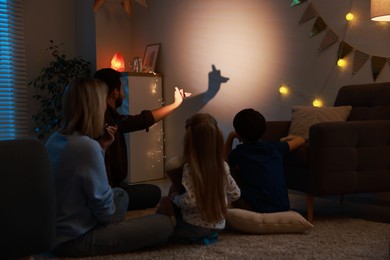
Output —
<point x="69" y="23"/>
<point x="113" y="34"/>
<point x="257" y="44"/>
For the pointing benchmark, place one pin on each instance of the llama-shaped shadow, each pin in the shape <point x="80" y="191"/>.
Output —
<point x="196" y="102"/>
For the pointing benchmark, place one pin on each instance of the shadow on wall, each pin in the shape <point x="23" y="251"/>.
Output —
<point x="195" y="103"/>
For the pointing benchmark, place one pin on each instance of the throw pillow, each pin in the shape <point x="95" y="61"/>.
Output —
<point x="303" y="117"/>
<point x="266" y="223"/>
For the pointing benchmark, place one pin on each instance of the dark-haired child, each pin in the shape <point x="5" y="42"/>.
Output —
<point x="258" y="165"/>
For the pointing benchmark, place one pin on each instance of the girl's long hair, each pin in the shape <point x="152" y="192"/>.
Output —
<point x="84" y="104"/>
<point x="203" y="151"/>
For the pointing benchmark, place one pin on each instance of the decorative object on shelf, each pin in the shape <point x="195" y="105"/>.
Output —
<point x="137" y="65"/>
<point x="150" y="57"/>
<point x="380" y="10"/>
<point x="52" y="82"/>
<point x="127" y="5"/>
<point x="118" y="63"/>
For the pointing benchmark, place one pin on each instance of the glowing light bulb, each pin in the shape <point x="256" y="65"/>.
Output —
<point x="341" y="63"/>
<point x="283" y="90"/>
<point x="317" y="103"/>
<point x="349" y="16"/>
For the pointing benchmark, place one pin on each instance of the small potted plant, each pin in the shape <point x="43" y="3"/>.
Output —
<point x="52" y="82"/>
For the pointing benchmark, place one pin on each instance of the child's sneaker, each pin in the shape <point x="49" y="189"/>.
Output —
<point x="213" y="238"/>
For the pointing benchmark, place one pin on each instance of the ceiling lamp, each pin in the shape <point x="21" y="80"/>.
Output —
<point x="380" y="10"/>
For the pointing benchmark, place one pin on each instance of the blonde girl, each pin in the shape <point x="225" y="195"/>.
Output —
<point x="207" y="183"/>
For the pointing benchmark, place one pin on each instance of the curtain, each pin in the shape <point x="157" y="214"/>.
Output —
<point x="13" y="87"/>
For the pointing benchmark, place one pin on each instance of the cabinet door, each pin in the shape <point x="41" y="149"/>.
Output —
<point x="145" y="149"/>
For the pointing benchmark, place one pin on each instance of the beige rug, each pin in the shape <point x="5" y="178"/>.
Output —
<point x="336" y="237"/>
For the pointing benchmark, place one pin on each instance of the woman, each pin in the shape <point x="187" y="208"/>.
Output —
<point x="89" y="213"/>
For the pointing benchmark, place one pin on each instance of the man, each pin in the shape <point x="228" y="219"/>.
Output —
<point x="140" y="195"/>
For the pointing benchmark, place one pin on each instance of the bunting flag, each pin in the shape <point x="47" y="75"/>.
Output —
<point x="297" y="2"/>
<point x="319" y="26"/>
<point x="309" y="14"/>
<point x="344" y="50"/>
<point x="359" y="58"/>
<point x="127" y="5"/>
<point x="329" y="39"/>
<point x="377" y="64"/>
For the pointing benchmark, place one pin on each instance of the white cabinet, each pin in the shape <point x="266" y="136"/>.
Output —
<point x="143" y="91"/>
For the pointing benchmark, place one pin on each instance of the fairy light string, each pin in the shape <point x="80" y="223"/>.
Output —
<point x="344" y="49"/>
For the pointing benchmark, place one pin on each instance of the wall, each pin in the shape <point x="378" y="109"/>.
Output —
<point x="68" y="23"/>
<point x="258" y="45"/>
<point x="113" y="34"/>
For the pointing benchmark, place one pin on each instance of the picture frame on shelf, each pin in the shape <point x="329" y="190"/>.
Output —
<point x="150" y="57"/>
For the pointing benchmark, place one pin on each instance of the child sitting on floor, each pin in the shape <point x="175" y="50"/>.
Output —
<point x="258" y="165"/>
<point x="208" y="185"/>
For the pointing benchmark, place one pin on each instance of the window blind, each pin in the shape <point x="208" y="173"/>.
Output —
<point x="13" y="87"/>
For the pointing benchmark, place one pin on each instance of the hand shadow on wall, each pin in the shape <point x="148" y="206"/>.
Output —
<point x="195" y="103"/>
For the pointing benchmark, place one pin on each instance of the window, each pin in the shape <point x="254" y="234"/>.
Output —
<point x="13" y="89"/>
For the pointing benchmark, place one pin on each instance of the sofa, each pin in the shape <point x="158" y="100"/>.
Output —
<point x="344" y="156"/>
<point x="27" y="198"/>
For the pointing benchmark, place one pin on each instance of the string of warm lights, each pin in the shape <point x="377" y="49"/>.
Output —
<point x="344" y="49"/>
<point x="285" y="90"/>
<point x="154" y="155"/>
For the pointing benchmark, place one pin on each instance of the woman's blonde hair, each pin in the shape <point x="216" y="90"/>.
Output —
<point x="203" y="151"/>
<point x="84" y="105"/>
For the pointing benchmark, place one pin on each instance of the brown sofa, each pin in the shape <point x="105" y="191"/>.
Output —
<point x="343" y="157"/>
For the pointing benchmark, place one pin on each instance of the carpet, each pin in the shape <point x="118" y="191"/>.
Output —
<point x="360" y="229"/>
<point x="333" y="237"/>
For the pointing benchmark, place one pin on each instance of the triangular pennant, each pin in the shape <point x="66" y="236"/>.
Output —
<point x="377" y="64"/>
<point x="296" y="2"/>
<point x="143" y="2"/>
<point x="344" y="50"/>
<point x="329" y="39"/>
<point x="309" y="14"/>
<point x="359" y="58"/>
<point x="97" y="5"/>
<point x="319" y="26"/>
<point x="127" y="6"/>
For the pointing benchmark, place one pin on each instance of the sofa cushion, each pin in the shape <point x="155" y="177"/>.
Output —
<point x="266" y="223"/>
<point x="370" y="113"/>
<point x="303" y="117"/>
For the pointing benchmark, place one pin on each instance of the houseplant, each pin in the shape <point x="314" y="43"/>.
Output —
<point x="51" y="83"/>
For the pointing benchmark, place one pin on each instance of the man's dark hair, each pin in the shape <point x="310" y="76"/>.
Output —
<point x="111" y="77"/>
<point x="249" y="124"/>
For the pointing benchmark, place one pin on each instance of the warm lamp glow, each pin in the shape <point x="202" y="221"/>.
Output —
<point x="118" y="63"/>
<point x="317" y="103"/>
<point x="341" y="63"/>
<point x="349" y="16"/>
<point x="380" y="10"/>
<point x="283" y="90"/>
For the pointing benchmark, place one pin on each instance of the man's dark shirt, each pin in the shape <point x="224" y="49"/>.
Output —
<point x="116" y="155"/>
